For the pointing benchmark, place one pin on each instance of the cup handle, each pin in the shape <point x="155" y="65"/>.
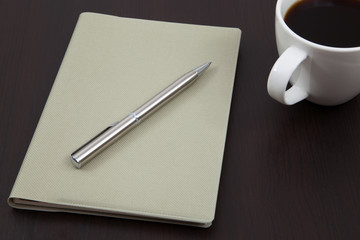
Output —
<point x="280" y="75"/>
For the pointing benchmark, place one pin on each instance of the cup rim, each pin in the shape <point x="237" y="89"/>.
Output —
<point x="305" y="41"/>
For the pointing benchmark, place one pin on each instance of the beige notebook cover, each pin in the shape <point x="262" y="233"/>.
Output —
<point x="168" y="168"/>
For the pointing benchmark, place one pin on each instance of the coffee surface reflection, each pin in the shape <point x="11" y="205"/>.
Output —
<point x="334" y="23"/>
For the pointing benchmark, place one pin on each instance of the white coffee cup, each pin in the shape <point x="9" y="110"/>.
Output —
<point x="321" y="74"/>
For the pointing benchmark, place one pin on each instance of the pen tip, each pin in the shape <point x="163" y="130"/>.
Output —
<point x="202" y="68"/>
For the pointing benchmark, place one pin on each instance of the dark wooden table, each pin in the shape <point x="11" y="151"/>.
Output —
<point x="288" y="172"/>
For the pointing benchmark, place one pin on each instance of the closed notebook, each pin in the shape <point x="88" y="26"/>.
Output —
<point x="168" y="168"/>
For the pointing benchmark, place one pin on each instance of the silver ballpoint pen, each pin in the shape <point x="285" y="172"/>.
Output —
<point x="113" y="132"/>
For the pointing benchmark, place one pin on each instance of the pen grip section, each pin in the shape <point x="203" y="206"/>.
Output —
<point x="165" y="95"/>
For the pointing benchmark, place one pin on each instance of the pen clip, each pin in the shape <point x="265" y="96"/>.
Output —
<point x="77" y="156"/>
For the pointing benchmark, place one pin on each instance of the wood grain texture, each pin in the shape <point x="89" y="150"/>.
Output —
<point x="288" y="172"/>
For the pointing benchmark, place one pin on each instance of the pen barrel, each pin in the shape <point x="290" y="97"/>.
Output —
<point x="109" y="135"/>
<point x="103" y="140"/>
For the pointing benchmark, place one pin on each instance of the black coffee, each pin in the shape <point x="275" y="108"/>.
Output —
<point x="334" y="23"/>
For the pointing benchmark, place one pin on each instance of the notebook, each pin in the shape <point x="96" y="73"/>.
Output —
<point x="168" y="168"/>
